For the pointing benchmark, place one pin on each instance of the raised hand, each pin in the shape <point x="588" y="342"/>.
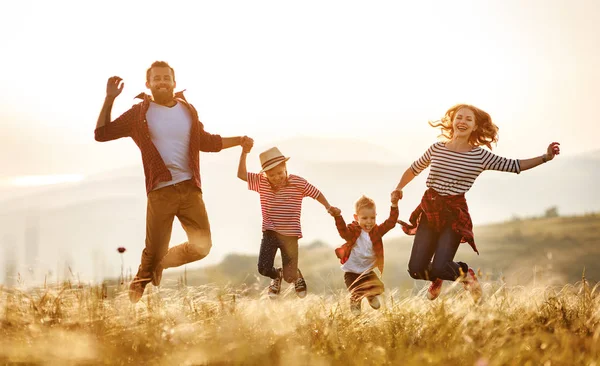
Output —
<point x="247" y="143"/>
<point x="114" y="87"/>
<point x="553" y="150"/>
<point x="396" y="196"/>
<point x="334" y="211"/>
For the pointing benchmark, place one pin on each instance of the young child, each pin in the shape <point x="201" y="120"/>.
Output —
<point x="442" y="221"/>
<point x="363" y="250"/>
<point x="281" y="202"/>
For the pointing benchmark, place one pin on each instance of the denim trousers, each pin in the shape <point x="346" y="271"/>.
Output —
<point x="432" y="254"/>
<point x="288" y="246"/>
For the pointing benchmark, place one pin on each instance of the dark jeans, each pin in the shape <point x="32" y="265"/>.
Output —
<point x="361" y="285"/>
<point x="441" y="247"/>
<point x="288" y="245"/>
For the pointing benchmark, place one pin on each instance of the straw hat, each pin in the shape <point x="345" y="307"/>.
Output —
<point x="271" y="158"/>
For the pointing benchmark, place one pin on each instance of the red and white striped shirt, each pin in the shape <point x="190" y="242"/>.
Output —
<point x="281" y="209"/>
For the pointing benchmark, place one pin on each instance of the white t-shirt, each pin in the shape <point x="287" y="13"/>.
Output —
<point x="362" y="257"/>
<point x="170" y="129"/>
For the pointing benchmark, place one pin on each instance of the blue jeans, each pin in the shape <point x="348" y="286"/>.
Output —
<point x="441" y="247"/>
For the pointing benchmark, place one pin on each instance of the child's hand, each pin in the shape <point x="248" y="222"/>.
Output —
<point x="334" y="211"/>
<point x="247" y="144"/>
<point x="396" y="196"/>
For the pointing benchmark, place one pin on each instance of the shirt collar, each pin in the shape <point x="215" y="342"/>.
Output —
<point x="147" y="97"/>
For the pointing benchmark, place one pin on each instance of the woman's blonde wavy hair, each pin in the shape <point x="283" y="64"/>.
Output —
<point x="485" y="132"/>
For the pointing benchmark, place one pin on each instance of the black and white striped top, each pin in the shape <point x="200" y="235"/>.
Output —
<point x="453" y="173"/>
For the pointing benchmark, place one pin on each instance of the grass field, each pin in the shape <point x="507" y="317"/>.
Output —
<point x="217" y="326"/>
<point x="537" y="309"/>
<point x="535" y="251"/>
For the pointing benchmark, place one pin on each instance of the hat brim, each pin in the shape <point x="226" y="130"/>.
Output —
<point x="273" y="165"/>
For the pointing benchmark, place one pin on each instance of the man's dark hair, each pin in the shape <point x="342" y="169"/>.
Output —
<point x="159" y="64"/>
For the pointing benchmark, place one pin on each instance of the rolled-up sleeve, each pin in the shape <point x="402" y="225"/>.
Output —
<point x="210" y="142"/>
<point x="120" y="127"/>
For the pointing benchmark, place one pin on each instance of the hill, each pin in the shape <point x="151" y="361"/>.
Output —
<point x="538" y="251"/>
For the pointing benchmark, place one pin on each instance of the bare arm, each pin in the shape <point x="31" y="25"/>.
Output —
<point x="553" y="150"/>
<point x="231" y="141"/>
<point x="406" y="178"/>
<point x="120" y="127"/>
<point x="104" y="117"/>
<point x="527" y="164"/>
<point x="322" y="200"/>
<point x="247" y="144"/>
<point x="114" y="87"/>
<point x="242" y="172"/>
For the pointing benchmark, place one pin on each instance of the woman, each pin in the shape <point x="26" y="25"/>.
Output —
<point x="442" y="221"/>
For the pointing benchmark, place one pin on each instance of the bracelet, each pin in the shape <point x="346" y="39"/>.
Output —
<point x="544" y="158"/>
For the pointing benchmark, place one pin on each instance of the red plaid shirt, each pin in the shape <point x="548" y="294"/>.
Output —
<point x="133" y="124"/>
<point x="439" y="211"/>
<point x="351" y="233"/>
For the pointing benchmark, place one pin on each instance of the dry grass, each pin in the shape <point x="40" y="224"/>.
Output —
<point x="219" y="325"/>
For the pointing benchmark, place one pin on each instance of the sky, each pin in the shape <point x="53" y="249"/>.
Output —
<point x="372" y="71"/>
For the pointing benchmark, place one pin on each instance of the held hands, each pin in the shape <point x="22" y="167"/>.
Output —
<point x="553" y="150"/>
<point x="114" y="87"/>
<point x="247" y="143"/>
<point x="334" y="211"/>
<point x="396" y="196"/>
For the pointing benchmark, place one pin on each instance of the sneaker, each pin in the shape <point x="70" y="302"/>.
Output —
<point x="275" y="286"/>
<point x="355" y="307"/>
<point x="435" y="289"/>
<point x="374" y="302"/>
<point x="157" y="275"/>
<point x="136" y="289"/>
<point x="300" y="286"/>
<point x="472" y="285"/>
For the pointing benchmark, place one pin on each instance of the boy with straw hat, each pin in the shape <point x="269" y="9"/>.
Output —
<point x="281" y="197"/>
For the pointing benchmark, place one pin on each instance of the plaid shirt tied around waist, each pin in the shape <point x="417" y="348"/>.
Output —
<point x="441" y="210"/>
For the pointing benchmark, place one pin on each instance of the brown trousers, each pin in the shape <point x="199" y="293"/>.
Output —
<point x="363" y="284"/>
<point x="183" y="200"/>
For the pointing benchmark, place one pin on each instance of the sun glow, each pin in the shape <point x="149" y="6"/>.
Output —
<point x="43" y="180"/>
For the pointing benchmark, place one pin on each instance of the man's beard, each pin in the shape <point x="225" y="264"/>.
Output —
<point x="163" y="97"/>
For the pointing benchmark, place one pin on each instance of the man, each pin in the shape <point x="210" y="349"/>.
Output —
<point x="170" y="136"/>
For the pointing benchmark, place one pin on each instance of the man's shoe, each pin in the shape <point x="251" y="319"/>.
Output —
<point x="300" y="285"/>
<point x="136" y="289"/>
<point x="355" y="307"/>
<point x="157" y="275"/>
<point x="374" y="302"/>
<point x="435" y="289"/>
<point x="472" y="285"/>
<point x="275" y="286"/>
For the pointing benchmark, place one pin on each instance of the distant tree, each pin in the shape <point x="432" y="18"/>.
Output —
<point x="551" y="212"/>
